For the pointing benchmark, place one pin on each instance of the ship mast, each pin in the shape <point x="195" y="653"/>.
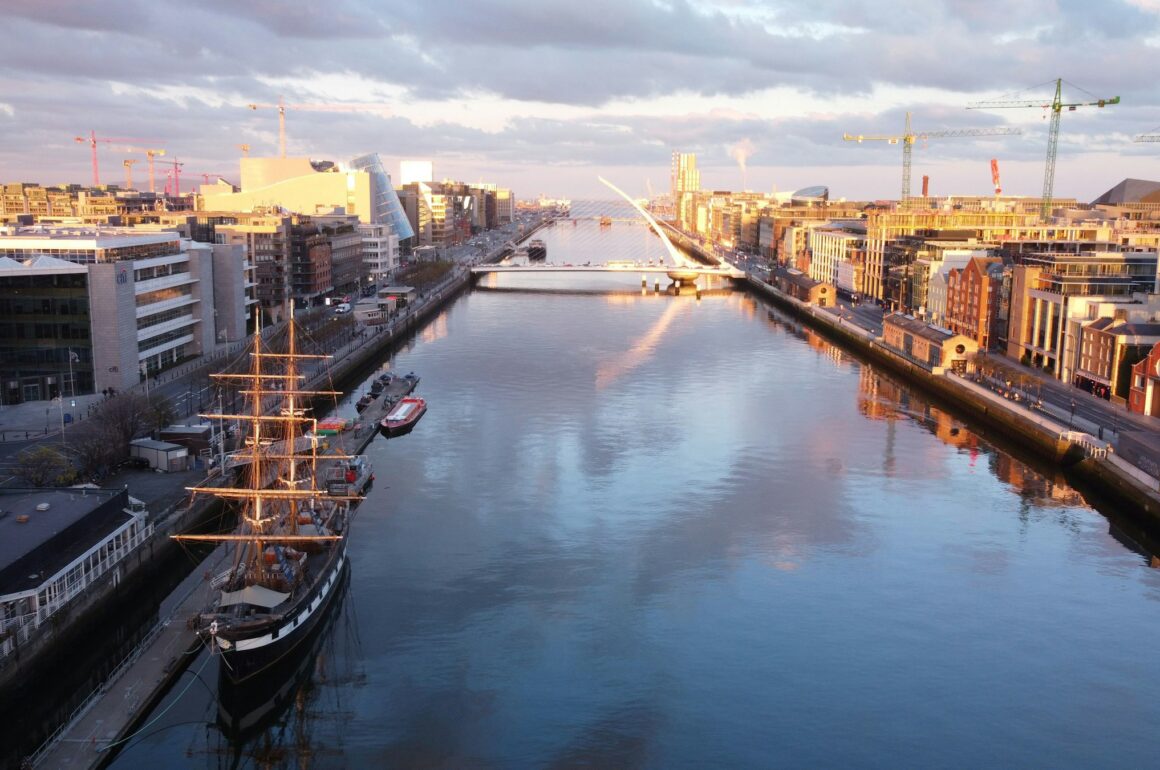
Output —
<point x="269" y="514"/>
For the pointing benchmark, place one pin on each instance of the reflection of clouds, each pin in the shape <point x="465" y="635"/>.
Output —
<point x="784" y="553"/>
<point x="979" y="559"/>
<point x="609" y="371"/>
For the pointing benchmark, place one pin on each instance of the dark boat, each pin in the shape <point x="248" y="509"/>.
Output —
<point x="291" y="537"/>
<point x="247" y="709"/>
<point x="537" y="250"/>
<point x="402" y="418"/>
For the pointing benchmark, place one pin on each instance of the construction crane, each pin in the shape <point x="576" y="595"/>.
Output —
<point x="151" y="154"/>
<point x="995" y="176"/>
<point x="1147" y="138"/>
<point x="282" y="107"/>
<point x="1056" y="105"/>
<point x="908" y="137"/>
<point x="128" y="164"/>
<point x="92" y="140"/>
<point x="174" y="174"/>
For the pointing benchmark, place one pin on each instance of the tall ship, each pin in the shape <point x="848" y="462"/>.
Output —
<point x="287" y="554"/>
<point x="537" y="250"/>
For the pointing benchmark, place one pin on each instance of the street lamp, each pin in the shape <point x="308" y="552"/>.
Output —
<point x="1071" y="420"/>
<point x="60" y="403"/>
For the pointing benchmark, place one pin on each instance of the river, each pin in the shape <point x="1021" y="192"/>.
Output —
<point x="644" y="530"/>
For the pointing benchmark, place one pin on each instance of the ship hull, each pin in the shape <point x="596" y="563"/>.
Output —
<point x="253" y="649"/>
<point x="245" y="708"/>
<point x="402" y="419"/>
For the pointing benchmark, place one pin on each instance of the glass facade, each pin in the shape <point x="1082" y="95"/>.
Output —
<point x="388" y="209"/>
<point x="45" y="337"/>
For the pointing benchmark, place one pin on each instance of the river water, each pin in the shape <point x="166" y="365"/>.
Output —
<point x="646" y="530"/>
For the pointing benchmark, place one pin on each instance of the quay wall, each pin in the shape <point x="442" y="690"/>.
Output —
<point x="1108" y="474"/>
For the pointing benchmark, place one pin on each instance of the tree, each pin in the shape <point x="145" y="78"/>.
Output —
<point x="44" y="466"/>
<point x="102" y="441"/>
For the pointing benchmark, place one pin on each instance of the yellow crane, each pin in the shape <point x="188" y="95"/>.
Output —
<point x="1056" y="105"/>
<point x="908" y="137"/>
<point x="128" y="164"/>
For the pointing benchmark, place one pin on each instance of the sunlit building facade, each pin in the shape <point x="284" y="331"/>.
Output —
<point x="85" y="309"/>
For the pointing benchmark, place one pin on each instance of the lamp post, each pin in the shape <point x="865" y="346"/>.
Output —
<point x="1071" y="420"/>
<point x="60" y="403"/>
<point x="72" y="382"/>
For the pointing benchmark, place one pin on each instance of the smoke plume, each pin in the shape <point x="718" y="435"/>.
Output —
<point x="741" y="152"/>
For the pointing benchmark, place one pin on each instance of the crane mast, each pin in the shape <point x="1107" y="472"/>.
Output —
<point x="1056" y="106"/>
<point x="340" y="107"/>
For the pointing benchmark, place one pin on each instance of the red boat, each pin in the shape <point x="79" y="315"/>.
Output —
<point x="403" y="416"/>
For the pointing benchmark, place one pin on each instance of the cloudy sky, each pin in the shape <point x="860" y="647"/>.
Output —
<point x="542" y="96"/>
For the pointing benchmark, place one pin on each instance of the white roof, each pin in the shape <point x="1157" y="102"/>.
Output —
<point x="259" y="596"/>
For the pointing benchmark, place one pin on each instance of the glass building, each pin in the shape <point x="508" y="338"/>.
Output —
<point x="388" y="209"/>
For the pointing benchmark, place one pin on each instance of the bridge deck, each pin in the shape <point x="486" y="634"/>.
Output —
<point x="725" y="270"/>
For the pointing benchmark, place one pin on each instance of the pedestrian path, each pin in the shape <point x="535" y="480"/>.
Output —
<point x="41" y="419"/>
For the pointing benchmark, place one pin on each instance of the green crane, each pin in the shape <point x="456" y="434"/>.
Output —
<point x="907" y="138"/>
<point x="1056" y="106"/>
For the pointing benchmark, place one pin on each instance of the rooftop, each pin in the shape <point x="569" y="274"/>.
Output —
<point x="37" y="547"/>
<point x="917" y="327"/>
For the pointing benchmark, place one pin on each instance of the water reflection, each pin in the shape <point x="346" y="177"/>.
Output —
<point x="620" y="365"/>
<point x="269" y="720"/>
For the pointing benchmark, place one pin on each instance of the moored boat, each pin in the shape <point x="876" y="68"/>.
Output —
<point x="351" y="476"/>
<point x="291" y="537"/>
<point x="537" y="250"/>
<point x="402" y="418"/>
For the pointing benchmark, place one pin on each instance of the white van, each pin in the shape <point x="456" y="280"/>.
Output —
<point x="343" y="307"/>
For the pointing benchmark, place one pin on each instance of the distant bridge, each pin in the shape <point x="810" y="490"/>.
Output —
<point x="598" y="218"/>
<point x="683" y="270"/>
<point x="722" y="270"/>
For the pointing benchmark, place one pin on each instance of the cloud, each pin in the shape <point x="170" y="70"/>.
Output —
<point x="552" y="85"/>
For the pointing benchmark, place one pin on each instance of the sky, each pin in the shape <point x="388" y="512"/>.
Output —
<point x="545" y="96"/>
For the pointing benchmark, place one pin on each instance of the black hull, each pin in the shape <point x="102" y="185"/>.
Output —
<point x="242" y="665"/>
<point x="246" y="708"/>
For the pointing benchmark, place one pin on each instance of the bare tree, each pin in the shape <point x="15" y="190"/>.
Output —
<point x="101" y="442"/>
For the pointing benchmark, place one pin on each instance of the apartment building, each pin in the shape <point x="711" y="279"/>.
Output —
<point x="1108" y="349"/>
<point x="989" y="227"/>
<point x="973" y="294"/>
<point x="832" y="244"/>
<point x="1052" y="294"/>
